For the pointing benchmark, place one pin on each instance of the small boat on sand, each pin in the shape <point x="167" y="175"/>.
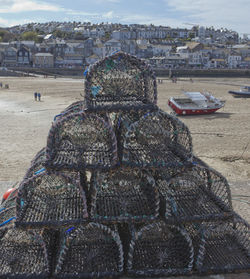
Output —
<point x="244" y="92"/>
<point x="195" y="103"/>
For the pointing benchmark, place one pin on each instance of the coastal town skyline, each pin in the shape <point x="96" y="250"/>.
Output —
<point x="173" y="13"/>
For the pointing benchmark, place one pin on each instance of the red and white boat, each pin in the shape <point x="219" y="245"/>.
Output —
<point x="195" y="103"/>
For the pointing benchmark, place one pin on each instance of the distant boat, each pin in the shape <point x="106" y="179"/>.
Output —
<point x="195" y="103"/>
<point x="244" y="92"/>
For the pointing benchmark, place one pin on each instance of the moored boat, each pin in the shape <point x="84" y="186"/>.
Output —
<point x="244" y="92"/>
<point x="195" y="103"/>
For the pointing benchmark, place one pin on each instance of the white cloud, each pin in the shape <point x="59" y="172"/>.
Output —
<point x="8" y="23"/>
<point x="109" y="15"/>
<point x="219" y="13"/>
<point x="105" y="1"/>
<point x="17" y="6"/>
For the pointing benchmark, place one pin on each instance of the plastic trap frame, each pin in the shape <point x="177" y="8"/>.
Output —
<point x="157" y="140"/>
<point x="50" y="199"/>
<point x="89" y="251"/>
<point x="159" y="249"/>
<point x="120" y="82"/>
<point x="23" y="254"/>
<point x="195" y="194"/>
<point x="123" y="195"/>
<point x="81" y="141"/>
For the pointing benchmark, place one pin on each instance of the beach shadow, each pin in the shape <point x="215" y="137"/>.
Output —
<point x="218" y="115"/>
<point x="208" y="116"/>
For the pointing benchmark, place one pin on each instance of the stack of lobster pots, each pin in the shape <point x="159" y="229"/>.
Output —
<point x="117" y="191"/>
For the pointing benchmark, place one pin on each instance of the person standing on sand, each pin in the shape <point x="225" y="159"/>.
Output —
<point x="35" y="96"/>
<point x="39" y="96"/>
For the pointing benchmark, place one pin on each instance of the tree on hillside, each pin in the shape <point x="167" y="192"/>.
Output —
<point x="29" y="36"/>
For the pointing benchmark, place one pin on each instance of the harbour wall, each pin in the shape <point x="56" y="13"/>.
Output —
<point x="78" y="73"/>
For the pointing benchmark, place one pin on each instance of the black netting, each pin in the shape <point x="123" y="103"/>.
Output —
<point x="81" y="141"/>
<point x="224" y="247"/>
<point x="49" y="200"/>
<point x="120" y="81"/>
<point x="197" y="161"/>
<point x="124" y="194"/>
<point x="88" y="251"/>
<point x="157" y="140"/>
<point x="36" y="168"/>
<point x="23" y="254"/>
<point x="40" y="156"/>
<point x="195" y="194"/>
<point x="73" y="108"/>
<point x="160" y="249"/>
<point x="7" y="216"/>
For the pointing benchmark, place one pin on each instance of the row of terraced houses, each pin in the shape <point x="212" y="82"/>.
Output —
<point x="162" y="47"/>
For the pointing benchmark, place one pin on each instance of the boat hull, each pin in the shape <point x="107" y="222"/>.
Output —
<point x="191" y="111"/>
<point x="239" y="94"/>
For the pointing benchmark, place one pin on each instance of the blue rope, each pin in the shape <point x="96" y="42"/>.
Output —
<point x="70" y="229"/>
<point x="7" y="221"/>
<point x="39" y="171"/>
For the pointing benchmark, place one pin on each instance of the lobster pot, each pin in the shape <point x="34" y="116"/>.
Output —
<point x="35" y="168"/>
<point x="24" y="254"/>
<point x="122" y="195"/>
<point x="157" y="140"/>
<point x="40" y="156"/>
<point x="196" y="194"/>
<point x="7" y="216"/>
<point x="50" y="200"/>
<point x="89" y="251"/>
<point x="75" y="107"/>
<point x="159" y="249"/>
<point x="120" y="82"/>
<point x="197" y="161"/>
<point x="39" y="167"/>
<point x="80" y="141"/>
<point x="224" y="247"/>
<point x="122" y="122"/>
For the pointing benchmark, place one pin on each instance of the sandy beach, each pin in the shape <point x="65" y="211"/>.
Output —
<point x="222" y="139"/>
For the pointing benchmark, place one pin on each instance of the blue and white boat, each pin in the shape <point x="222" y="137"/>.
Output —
<point x="244" y="92"/>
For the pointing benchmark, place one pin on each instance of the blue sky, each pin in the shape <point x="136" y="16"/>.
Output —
<point x="174" y="13"/>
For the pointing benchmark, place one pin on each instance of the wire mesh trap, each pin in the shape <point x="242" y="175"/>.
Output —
<point x="224" y="247"/>
<point x="35" y="168"/>
<point x="195" y="194"/>
<point x="160" y="249"/>
<point x="197" y="161"/>
<point x="120" y="81"/>
<point x="122" y="195"/>
<point x="50" y="199"/>
<point x="123" y="120"/>
<point x="23" y="254"/>
<point x="7" y="216"/>
<point x="40" y="156"/>
<point x="89" y="251"/>
<point x="73" y="108"/>
<point x="81" y="141"/>
<point x="157" y="140"/>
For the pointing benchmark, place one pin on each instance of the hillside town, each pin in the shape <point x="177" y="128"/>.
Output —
<point x="77" y="45"/>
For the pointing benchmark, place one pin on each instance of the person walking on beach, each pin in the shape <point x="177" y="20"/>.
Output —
<point x="35" y="96"/>
<point x="39" y="96"/>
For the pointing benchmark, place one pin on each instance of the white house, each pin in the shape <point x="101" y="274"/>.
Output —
<point x="234" y="61"/>
<point x="112" y="46"/>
